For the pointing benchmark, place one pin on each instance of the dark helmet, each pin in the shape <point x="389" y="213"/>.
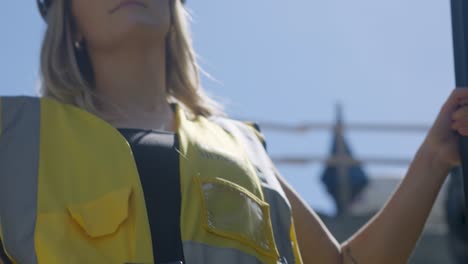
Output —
<point x="44" y="5"/>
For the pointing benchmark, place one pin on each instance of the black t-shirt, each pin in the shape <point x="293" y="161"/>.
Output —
<point x="157" y="159"/>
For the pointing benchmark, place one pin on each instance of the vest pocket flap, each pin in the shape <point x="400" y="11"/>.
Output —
<point x="233" y="212"/>
<point x="103" y="215"/>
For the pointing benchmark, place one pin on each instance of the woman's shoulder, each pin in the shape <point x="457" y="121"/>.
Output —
<point x="23" y="101"/>
<point x="248" y="129"/>
<point x="18" y="110"/>
<point x="19" y="100"/>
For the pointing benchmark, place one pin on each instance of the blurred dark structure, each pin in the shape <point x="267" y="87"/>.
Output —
<point x="456" y="217"/>
<point x="346" y="179"/>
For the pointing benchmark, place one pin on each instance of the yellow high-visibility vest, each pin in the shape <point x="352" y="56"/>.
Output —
<point x="70" y="191"/>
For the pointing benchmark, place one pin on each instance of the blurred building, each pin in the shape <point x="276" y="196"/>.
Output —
<point x="381" y="187"/>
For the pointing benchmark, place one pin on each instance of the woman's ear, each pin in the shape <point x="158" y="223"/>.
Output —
<point x="77" y="36"/>
<point x="78" y="40"/>
<point x="78" y="45"/>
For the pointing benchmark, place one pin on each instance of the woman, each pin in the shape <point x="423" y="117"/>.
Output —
<point x="125" y="159"/>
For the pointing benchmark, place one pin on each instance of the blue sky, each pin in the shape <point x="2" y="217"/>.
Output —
<point x="385" y="61"/>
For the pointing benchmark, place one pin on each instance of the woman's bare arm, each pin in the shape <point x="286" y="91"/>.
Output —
<point x="316" y="243"/>
<point x="391" y="235"/>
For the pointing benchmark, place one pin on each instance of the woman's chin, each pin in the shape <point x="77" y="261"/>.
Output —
<point x="137" y="31"/>
<point x="140" y="21"/>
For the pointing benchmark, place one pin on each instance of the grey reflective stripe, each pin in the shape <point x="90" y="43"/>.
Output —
<point x="280" y="209"/>
<point x="19" y="162"/>
<point x="281" y="223"/>
<point x="198" y="253"/>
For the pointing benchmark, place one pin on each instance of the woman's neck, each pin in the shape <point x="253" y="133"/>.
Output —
<point x="131" y="85"/>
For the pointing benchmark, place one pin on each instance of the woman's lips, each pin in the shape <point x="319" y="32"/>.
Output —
<point x="127" y="3"/>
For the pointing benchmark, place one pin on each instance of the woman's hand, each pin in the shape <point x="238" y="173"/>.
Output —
<point x="442" y="139"/>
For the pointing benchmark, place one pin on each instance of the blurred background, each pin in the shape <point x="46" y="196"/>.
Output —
<point x="344" y="92"/>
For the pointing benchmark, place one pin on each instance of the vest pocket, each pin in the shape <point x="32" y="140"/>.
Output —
<point x="231" y="211"/>
<point x="104" y="215"/>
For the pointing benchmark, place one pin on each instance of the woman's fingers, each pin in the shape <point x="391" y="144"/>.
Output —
<point x="457" y="98"/>
<point x="460" y="117"/>
<point x="461" y="128"/>
<point x="463" y="131"/>
<point x="461" y="113"/>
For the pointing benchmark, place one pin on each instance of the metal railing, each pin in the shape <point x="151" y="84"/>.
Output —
<point x="341" y="159"/>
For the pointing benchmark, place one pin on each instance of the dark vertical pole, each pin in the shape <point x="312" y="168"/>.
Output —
<point x="460" y="35"/>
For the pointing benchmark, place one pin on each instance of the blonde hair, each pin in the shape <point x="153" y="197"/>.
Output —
<point x="67" y="74"/>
